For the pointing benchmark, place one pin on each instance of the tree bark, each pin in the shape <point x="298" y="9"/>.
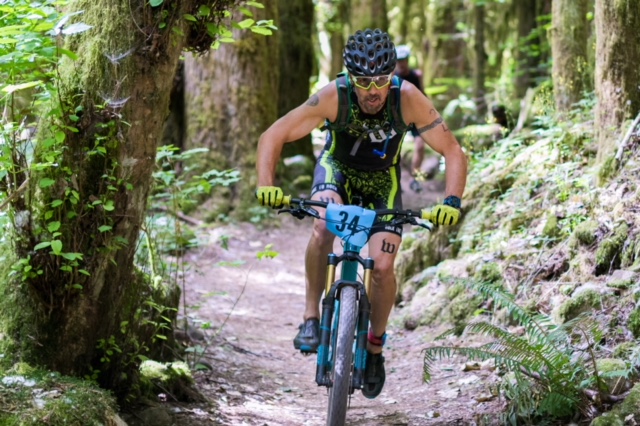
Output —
<point x="368" y="14"/>
<point x="81" y="304"/>
<point x="296" y="64"/>
<point x="480" y="60"/>
<point x="569" y="35"/>
<point x="526" y="63"/>
<point x="617" y="73"/>
<point x="231" y="97"/>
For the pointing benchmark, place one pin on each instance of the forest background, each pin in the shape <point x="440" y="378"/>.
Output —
<point x="123" y="130"/>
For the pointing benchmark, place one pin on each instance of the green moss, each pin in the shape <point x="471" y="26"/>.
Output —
<point x="607" y="366"/>
<point x="608" y="169"/>
<point x="488" y="272"/>
<point x="627" y="412"/>
<point x="633" y="323"/>
<point x="623" y="350"/>
<point x="573" y="307"/>
<point x="42" y="397"/>
<point x="551" y="229"/>
<point x="585" y="232"/>
<point x="608" y="252"/>
<point x="171" y="377"/>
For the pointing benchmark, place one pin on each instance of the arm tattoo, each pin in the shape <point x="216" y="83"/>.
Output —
<point x="430" y="126"/>
<point x="313" y="100"/>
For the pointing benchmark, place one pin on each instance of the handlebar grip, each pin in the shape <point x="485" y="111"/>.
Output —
<point x="286" y="200"/>
<point x="426" y="214"/>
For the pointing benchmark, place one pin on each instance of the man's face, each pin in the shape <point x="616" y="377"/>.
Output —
<point x="402" y="67"/>
<point x="372" y="92"/>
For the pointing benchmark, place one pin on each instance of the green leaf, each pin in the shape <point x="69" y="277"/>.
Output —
<point x="204" y="10"/>
<point x="56" y="246"/>
<point x="46" y="182"/>
<point x="155" y="3"/>
<point x="246" y="23"/>
<point x="190" y="17"/>
<point x="53" y="226"/>
<point x="84" y="272"/>
<point x="77" y="286"/>
<point x="68" y="53"/>
<point x="42" y="245"/>
<point x="56" y="203"/>
<point x="8" y="41"/>
<point x="108" y="206"/>
<point x="105" y="228"/>
<point x="255" y="4"/>
<point x="245" y="11"/>
<point x="16" y="87"/>
<point x="60" y="136"/>
<point x="72" y="256"/>
<point x="262" y="30"/>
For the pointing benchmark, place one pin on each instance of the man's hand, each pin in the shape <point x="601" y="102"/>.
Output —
<point x="445" y="215"/>
<point x="271" y="196"/>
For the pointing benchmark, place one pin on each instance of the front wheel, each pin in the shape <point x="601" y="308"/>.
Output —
<point x="342" y="357"/>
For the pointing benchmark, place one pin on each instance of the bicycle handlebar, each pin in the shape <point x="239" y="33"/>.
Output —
<point x="402" y="216"/>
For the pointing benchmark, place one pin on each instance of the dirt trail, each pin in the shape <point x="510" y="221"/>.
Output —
<point x="259" y="379"/>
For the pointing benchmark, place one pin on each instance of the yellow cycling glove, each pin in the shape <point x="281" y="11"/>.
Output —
<point x="271" y="196"/>
<point x="447" y="213"/>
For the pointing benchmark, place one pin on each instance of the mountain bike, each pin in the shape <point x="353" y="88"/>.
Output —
<point x="344" y="322"/>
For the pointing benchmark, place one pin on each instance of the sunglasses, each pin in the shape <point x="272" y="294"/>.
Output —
<point x="365" y="83"/>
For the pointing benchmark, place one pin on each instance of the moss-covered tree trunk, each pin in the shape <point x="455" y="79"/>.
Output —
<point x="296" y="64"/>
<point x="569" y="35"/>
<point x="231" y="97"/>
<point x="78" y="301"/>
<point x="617" y="71"/>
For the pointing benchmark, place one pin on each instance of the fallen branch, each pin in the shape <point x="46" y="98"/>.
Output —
<point x="190" y="220"/>
<point x="627" y="137"/>
<point x="14" y="194"/>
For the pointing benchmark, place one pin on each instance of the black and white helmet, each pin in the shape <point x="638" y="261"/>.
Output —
<point x="369" y="53"/>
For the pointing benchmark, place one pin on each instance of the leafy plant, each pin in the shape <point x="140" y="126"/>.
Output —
<point x="552" y="368"/>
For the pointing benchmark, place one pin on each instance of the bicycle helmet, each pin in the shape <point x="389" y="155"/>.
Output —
<point x="369" y="52"/>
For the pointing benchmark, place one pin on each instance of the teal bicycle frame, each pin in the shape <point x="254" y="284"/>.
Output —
<point x="353" y="225"/>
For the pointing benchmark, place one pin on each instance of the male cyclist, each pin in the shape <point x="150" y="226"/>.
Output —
<point x="361" y="161"/>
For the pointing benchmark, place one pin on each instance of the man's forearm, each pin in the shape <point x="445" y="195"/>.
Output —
<point x="455" y="174"/>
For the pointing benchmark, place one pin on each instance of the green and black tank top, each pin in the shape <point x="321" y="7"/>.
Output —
<point x="367" y="142"/>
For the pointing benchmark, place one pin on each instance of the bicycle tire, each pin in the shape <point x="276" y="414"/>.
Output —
<point x="342" y="358"/>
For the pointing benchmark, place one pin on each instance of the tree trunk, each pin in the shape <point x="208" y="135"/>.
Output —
<point x="480" y="60"/>
<point x="80" y="305"/>
<point x="231" y="97"/>
<point x="368" y="14"/>
<point x="526" y="62"/>
<point x="617" y="71"/>
<point x="296" y="64"/>
<point x="569" y="37"/>
<point x="119" y="88"/>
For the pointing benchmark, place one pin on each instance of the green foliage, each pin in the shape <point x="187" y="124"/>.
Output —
<point x="552" y="368"/>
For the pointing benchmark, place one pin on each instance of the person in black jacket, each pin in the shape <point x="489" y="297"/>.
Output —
<point x="405" y="72"/>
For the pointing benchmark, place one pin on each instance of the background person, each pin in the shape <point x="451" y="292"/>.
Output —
<point x="413" y="76"/>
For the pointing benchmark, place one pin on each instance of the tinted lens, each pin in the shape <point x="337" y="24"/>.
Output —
<point x="365" y="82"/>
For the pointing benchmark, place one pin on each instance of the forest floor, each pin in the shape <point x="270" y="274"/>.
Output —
<point x="258" y="378"/>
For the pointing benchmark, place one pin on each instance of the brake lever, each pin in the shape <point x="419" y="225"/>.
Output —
<point x="301" y="212"/>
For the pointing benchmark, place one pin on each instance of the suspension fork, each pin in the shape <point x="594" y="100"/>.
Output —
<point x="328" y="305"/>
<point x="363" y="327"/>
